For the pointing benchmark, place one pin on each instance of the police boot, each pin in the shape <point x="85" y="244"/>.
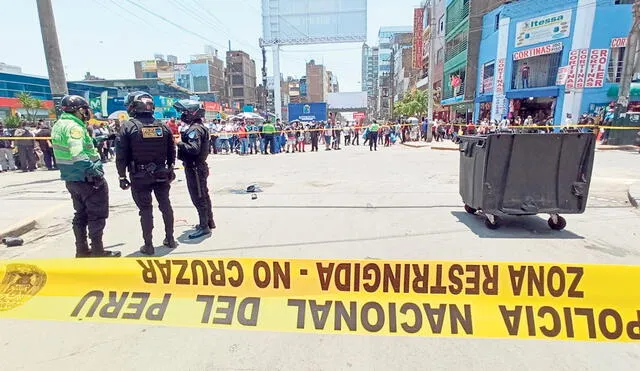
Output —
<point x="147" y="249"/>
<point x="200" y="232"/>
<point x="98" y="251"/>
<point x="82" y="247"/>
<point x="170" y="242"/>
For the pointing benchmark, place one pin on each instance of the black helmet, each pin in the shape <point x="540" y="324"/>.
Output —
<point x="191" y="110"/>
<point x="139" y="102"/>
<point x="75" y="103"/>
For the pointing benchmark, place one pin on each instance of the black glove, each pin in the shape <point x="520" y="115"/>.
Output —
<point x="124" y="184"/>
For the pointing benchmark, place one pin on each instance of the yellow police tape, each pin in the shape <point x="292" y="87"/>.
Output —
<point x="419" y="298"/>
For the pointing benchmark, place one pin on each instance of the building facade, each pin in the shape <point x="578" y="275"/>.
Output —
<point x="463" y="30"/>
<point x="317" y="81"/>
<point x="369" y="78"/>
<point x="385" y="71"/>
<point x="240" y="79"/>
<point x="551" y="59"/>
<point x="433" y="55"/>
<point x="334" y="86"/>
<point x="402" y="64"/>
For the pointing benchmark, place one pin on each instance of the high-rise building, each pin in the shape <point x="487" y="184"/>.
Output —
<point x="317" y="82"/>
<point x="215" y="72"/>
<point x="240" y="79"/>
<point x="402" y="46"/>
<point x="433" y="54"/>
<point x="369" y="78"/>
<point x="385" y="78"/>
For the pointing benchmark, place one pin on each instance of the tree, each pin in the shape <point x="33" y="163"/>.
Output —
<point x="413" y="103"/>
<point x="30" y="104"/>
<point x="12" y="121"/>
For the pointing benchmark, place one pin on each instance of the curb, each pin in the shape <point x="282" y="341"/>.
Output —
<point x="414" y="146"/>
<point x="634" y="194"/>
<point x="28" y="224"/>
<point x="19" y="229"/>
<point x="628" y="148"/>
<point x="446" y="148"/>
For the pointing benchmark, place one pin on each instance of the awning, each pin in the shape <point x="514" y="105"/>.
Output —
<point x="634" y="92"/>
<point x="484" y="98"/>
<point x="535" y="93"/>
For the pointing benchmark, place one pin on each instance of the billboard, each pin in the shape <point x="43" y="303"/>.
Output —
<point x="418" y="18"/>
<point x="545" y="28"/>
<point x="148" y="66"/>
<point x="296" y="22"/>
<point x="308" y="111"/>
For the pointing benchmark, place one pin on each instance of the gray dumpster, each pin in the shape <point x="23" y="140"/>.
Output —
<point x="526" y="174"/>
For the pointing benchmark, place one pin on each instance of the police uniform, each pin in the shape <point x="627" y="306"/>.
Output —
<point x="145" y="147"/>
<point x="81" y="169"/>
<point x="193" y="151"/>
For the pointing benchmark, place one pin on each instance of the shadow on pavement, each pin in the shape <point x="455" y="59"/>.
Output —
<point x="34" y="182"/>
<point x="184" y="237"/>
<point x="323" y="242"/>
<point x="160" y="251"/>
<point x="514" y="227"/>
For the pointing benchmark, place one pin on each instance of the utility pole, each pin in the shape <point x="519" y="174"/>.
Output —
<point x="57" y="80"/>
<point x="431" y="62"/>
<point x="629" y="62"/>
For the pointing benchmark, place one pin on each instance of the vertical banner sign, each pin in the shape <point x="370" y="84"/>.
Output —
<point x="499" y="89"/>
<point x="482" y="80"/>
<point x="562" y="75"/>
<point x="418" y="18"/>
<point x="570" y="82"/>
<point x="597" y="67"/>
<point x="581" y="70"/>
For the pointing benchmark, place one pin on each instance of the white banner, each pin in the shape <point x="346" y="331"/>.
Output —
<point x="581" y="70"/>
<point x="597" y="68"/>
<point x="499" y="88"/>
<point x="570" y="81"/>
<point x="562" y="75"/>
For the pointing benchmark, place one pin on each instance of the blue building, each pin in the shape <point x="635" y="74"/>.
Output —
<point x="551" y="58"/>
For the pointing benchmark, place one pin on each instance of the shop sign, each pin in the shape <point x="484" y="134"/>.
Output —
<point x="418" y="19"/>
<point x="487" y="84"/>
<point x="359" y="115"/>
<point x="562" y="75"/>
<point x="571" y="69"/>
<point x="581" y="70"/>
<point x="539" y="50"/>
<point x="212" y="106"/>
<point x="619" y="42"/>
<point x="452" y="100"/>
<point x="541" y="29"/>
<point x="148" y="66"/>
<point x="500" y="76"/>
<point x="597" y="67"/>
<point x="499" y="106"/>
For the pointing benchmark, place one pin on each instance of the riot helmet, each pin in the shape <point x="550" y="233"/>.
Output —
<point x="77" y="106"/>
<point x="191" y="110"/>
<point x="139" y="102"/>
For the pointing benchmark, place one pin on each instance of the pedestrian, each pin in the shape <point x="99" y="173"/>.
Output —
<point x="347" y="134"/>
<point x="356" y="134"/>
<point x="193" y="151"/>
<point x="7" y="162"/>
<point x="146" y="148"/>
<point x="26" y="148"/>
<point x="328" y="133"/>
<point x="81" y="169"/>
<point x="269" y="133"/>
<point x="291" y="139"/>
<point x="373" y="135"/>
<point x="315" y="133"/>
<point x="243" y="138"/>
<point x="300" y="133"/>
<point x="337" y="132"/>
<point x="173" y="126"/>
<point x="223" y="137"/>
<point x="252" y="130"/>
<point x="45" y="145"/>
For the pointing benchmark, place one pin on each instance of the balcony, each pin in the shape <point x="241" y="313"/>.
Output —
<point x="451" y="51"/>
<point x="457" y="13"/>
<point x="422" y="82"/>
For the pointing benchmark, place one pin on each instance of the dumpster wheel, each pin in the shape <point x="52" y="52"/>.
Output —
<point x="469" y="209"/>
<point x="492" y="222"/>
<point x="556" y="222"/>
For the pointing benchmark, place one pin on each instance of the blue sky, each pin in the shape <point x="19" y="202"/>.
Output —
<point x="106" y="36"/>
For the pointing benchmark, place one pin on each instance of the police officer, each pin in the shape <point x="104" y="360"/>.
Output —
<point x="81" y="169"/>
<point x="193" y="149"/>
<point x="145" y="147"/>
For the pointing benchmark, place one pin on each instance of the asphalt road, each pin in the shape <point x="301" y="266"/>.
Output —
<point x="397" y="203"/>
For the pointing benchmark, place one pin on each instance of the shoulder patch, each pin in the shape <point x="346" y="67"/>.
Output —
<point x="76" y="132"/>
<point x="192" y="134"/>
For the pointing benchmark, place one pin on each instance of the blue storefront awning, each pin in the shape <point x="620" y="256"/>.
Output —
<point x="535" y="93"/>
<point x="484" y="98"/>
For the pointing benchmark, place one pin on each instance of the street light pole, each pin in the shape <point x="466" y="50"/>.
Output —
<point x="57" y="80"/>
<point x="629" y="66"/>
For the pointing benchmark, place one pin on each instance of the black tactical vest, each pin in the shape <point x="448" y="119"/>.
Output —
<point x="148" y="143"/>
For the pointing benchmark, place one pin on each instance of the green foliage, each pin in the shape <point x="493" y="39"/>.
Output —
<point x="30" y="104"/>
<point x="12" y="121"/>
<point x="414" y="103"/>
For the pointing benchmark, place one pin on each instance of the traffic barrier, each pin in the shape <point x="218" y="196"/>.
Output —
<point x="583" y="302"/>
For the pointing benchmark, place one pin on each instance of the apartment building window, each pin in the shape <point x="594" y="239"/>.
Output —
<point x="619" y="2"/>
<point x="441" y="25"/>
<point x="238" y="92"/>
<point x="488" y="72"/>
<point x="535" y="72"/>
<point x="616" y="61"/>
<point x="496" y="24"/>
<point x="237" y="80"/>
